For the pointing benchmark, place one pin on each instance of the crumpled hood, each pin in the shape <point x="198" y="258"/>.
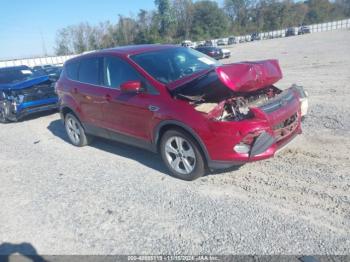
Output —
<point x="25" y="84"/>
<point x="249" y="76"/>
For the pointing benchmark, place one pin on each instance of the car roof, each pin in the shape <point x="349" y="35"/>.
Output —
<point x="126" y="50"/>
<point x="22" y="67"/>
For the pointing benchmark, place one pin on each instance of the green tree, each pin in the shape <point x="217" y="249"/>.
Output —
<point x="238" y="12"/>
<point x="164" y="12"/>
<point x="318" y="11"/>
<point x="176" y="20"/>
<point x="63" y="42"/>
<point x="208" y="20"/>
<point x="183" y="15"/>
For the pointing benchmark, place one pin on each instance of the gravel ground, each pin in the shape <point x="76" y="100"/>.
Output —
<point x="111" y="198"/>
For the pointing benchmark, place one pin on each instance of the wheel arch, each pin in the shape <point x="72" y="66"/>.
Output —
<point x="64" y="110"/>
<point x="165" y="125"/>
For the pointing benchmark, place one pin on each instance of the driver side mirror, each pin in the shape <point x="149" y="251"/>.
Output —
<point x="131" y="87"/>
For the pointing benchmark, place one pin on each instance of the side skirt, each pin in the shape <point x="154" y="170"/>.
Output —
<point x="130" y="140"/>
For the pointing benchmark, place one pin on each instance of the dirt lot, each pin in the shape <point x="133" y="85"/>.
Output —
<point x="110" y="198"/>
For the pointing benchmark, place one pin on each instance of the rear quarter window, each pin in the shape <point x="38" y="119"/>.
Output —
<point x="72" y="70"/>
<point x="89" y="71"/>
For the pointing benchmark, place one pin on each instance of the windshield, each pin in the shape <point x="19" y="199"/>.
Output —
<point x="15" y="75"/>
<point x="172" y="64"/>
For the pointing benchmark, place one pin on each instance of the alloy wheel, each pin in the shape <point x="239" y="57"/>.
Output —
<point x="180" y="155"/>
<point x="73" y="130"/>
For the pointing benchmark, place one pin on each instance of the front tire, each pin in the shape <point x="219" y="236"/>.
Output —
<point x="182" y="155"/>
<point x="3" y="113"/>
<point x="75" y="131"/>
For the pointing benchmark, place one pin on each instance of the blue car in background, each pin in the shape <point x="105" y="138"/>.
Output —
<point x="23" y="92"/>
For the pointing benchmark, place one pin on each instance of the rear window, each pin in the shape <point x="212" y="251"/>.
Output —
<point x="89" y="71"/>
<point x="72" y="70"/>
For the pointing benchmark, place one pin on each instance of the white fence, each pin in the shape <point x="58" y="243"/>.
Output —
<point x="341" y="24"/>
<point x="56" y="60"/>
<point x="51" y="60"/>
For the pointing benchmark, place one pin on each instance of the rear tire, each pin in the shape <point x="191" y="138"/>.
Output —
<point x="75" y="131"/>
<point x="182" y="155"/>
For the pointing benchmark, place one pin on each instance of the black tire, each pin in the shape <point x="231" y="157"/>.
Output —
<point x="188" y="157"/>
<point x="73" y="125"/>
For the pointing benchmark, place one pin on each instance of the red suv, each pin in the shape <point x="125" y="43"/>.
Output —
<point x="196" y="112"/>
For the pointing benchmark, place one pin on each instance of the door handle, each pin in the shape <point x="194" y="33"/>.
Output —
<point x="153" y="108"/>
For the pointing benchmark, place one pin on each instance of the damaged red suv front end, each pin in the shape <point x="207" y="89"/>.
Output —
<point x="249" y="118"/>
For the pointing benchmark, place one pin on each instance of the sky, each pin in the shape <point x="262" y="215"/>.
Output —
<point x="27" y="28"/>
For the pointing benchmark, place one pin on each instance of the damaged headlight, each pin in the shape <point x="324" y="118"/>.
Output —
<point x="303" y="98"/>
<point x="301" y="91"/>
<point x="3" y="95"/>
<point x="15" y="98"/>
<point x="19" y="99"/>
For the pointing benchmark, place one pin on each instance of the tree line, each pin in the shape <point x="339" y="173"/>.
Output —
<point x="176" y="20"/>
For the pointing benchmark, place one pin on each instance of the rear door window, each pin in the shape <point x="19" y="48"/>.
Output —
<point x="89" y="71"/>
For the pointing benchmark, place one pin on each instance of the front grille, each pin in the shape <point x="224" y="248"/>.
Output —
<point x="38" y="96"/>
<point x="286" y="127"/>
<point x="277" y="102"/>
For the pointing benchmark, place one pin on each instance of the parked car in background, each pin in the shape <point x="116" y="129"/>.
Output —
<point x="291" y="31"/>
<point x="212" y="51"/>
<point x="195" y="112"/>
<point x="51" y="70"/>
<point x="221" y="42"/>
<point x="200" y="43"/>
<point x="23" y="92"/>
<point x="232" y="40"/>
<point x="304" y="30"/>
<point x="225" y="53"/>
<point x="39" y="70"/>
<point x="54" y="72"/>
<point x="255" y="36"/>
<point x="188" y="43"/>
<point x="210" y="43"/>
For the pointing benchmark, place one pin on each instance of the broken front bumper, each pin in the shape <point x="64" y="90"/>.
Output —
<point x="273" y="126"/>
<point x="17" y="111"/>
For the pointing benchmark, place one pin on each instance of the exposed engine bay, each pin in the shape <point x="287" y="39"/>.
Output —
<point x="228" y="92"/>
<point x="237" y="107"/>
